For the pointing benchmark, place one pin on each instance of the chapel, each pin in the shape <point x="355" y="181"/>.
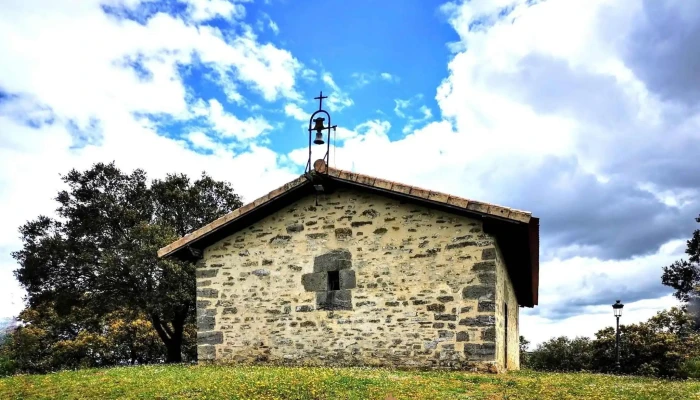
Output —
<point x="347" y="269"/>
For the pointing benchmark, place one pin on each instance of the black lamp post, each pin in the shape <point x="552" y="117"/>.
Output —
<point x="617" y="310"/>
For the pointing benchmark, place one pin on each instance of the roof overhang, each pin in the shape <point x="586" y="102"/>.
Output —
<point x="516" y="232"/>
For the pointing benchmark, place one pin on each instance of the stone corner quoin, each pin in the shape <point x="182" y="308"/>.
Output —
<point x="358" y="279"/>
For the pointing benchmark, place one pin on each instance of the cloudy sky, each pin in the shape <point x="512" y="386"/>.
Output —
<point x="585" y="112"/>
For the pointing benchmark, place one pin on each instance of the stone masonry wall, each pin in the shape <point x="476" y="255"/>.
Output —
<point x="505" y="296"/>
<point x="415" y="287"/>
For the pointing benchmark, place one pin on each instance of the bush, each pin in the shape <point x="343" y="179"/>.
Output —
<point x="664" y="346"/>
<point x="691" y="368"/>
<point x="7" y="365"/>
<point x="561" y="354"/>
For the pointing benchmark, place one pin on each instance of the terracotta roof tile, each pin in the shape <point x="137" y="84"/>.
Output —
<point x="457" y="201"/>
<point x="478" y="206"/>
<point x="366" y="180"/>
<point x="438" y="197"/>
<point x="383" y="184"/>
<point x="398" y="187"/>
<point x="320" y="166"/>
<point x="499" y="211"/>
<point x="418" y="192"/>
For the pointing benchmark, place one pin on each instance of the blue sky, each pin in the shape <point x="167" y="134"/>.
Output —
<point x="585" y="112"/>
<point x="356" y="43"/>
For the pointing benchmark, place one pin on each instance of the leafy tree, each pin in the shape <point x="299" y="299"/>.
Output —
<point x="99" y="256"/>
<point x="658" y="347"/>
<point x="47" y="341"/>
<point x="684" y="277"/>
<point x="524" y="343"/>
<point x="523" y="350"/>
<point x="561" y="354"/>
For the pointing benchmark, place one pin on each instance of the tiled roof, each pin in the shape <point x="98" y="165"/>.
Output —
<point x="364" y="180"/>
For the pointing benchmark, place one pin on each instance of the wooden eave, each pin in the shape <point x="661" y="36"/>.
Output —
<point x="516" y="231"/>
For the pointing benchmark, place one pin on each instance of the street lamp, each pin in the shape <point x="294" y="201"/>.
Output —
<point x="617" y="310"/>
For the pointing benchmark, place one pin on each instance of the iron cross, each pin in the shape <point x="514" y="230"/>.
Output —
<point x="320" y="100"/>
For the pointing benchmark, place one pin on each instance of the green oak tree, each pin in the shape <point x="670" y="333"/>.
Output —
<point x="99" y="254"/>
<point x="684" y="277"/>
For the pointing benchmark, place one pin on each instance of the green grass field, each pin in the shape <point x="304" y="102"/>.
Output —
<point x="217" y="382"/>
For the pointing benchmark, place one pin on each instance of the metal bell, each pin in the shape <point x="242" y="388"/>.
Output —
<point x="319" y="130"/>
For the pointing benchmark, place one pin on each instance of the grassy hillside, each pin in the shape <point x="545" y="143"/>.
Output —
<point x="189" y="382"/>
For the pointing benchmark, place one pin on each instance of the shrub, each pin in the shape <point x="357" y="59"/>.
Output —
<point x="561" y="354"/>
<point x="691" y="368"/>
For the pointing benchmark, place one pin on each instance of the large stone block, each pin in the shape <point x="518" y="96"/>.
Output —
<point x="488" y="254"/>
<point x="481" y="293"/>
<point x="481" y="321"/>
<point x="445" y="317"/>
<point x="488" y="334"/>
<point x="460" y="245"/>
<point x="280" y="239"/>
<point x="210" y="337"/>
<point x="484" y="266"/>
<point x="206" y="323"/>
<point x="334" y="260"/>
<point x="206" y="273"/>
<point x="487" y="278"/>
<point x="436" y="307"/>
<point x="203" y="304"/>
<point x="206" y="353"/>
<point x="486" y="306"/>
<point x="334" y="300"/>
<point x="347" y="279"/>
<point x="209" y="312"/>
<point x="295" y="228"/>
<point x="357" y="224"/>
<point x="315" y="282"/>
<point x="208" y="293"/>
<point x="462" y="336"/>
<point x="343" y="233"/>
<point x="480" y="352"/>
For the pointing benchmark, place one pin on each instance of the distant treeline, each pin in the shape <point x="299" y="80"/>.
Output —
<point x="667" y="345"/>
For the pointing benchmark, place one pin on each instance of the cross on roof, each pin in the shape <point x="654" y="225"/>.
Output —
<point x="320" y="100"/>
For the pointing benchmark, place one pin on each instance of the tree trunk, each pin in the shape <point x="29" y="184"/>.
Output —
<point x="174" y="351"/>
<point x="172" y="339"/>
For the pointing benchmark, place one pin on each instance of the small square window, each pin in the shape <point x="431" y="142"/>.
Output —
<point x="333" y="280"/>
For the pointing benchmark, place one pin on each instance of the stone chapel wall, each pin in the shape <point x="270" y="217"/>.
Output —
<point x="415" y="287"/>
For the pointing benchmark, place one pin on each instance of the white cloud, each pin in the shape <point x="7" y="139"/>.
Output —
<point x="337" y="99"/>
<point x="309" y="75"/>
<point x="400" y="106"/>
<point x="228" y="125"/>
<point x="201" y="141"/>
<point x="204" y="10"/>
<point x="403" y="107"/>
<point x="61" y="77"/>
<point x="389" y="77"/>
<point x="361" y="79"/>
<point x="273" y="27"/>
<point x="266" y="22"/>
<point x="542" y="110"/>
<point x="294" y="111"/>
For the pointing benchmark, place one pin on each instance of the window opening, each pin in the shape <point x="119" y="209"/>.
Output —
<point x="333" y="280"/>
